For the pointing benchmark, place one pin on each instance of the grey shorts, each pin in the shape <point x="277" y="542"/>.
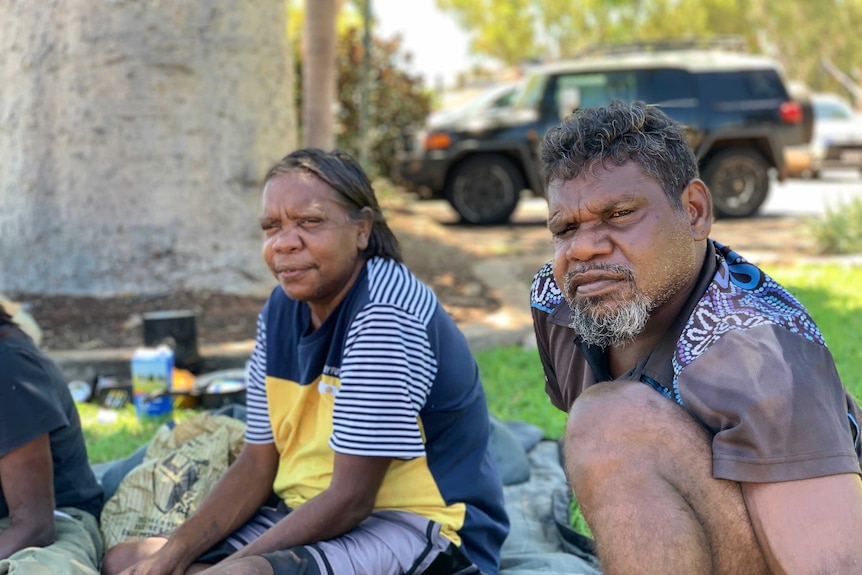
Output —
<point x="385" y="543"/>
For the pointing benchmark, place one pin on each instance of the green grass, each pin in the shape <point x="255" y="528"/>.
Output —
<point x="115" y="433"/>
<point x="832" y="296"/>
<point x="515" y="387"/>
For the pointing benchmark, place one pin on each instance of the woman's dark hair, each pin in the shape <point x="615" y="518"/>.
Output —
<point x="620" y="133"/>
<point x="343" y="174"/>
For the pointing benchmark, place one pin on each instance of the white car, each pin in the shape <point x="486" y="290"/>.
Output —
<point x="487" y="102"/>
<point x="837" y="139"/>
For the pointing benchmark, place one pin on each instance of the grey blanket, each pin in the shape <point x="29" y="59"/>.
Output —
<point x="540" y="540"/>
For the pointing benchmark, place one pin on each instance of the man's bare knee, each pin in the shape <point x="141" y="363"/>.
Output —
<point x="631" y="454"/>
<point x="620" y="423"/>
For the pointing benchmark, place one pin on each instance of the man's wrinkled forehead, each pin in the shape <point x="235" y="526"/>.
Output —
<point x="614" y="180"/>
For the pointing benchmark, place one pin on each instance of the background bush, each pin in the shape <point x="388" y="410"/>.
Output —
<point x="839" y="230"/>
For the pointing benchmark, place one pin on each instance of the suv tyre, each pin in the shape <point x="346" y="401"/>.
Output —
<point x="485" y="190"/>
<point x="738" y="179"/>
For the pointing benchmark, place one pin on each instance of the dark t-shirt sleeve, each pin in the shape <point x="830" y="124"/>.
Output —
<point x="776" y="406"/>
<point x="27" y="408"/>
<point x="552" y="388"/>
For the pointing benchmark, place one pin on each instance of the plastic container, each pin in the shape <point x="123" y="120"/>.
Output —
<point x="152" y="374"/>
<point x="182" y="389"/>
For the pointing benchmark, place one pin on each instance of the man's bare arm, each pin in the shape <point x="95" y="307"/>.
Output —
<point x="27" y="476"/>
<point x="808" y="526"/>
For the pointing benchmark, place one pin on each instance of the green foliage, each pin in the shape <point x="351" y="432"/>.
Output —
<point x="839" y="231"/>
<point x="398" y="103"/>
<point x="496" y="28"/>
<point x="520" y="30"/>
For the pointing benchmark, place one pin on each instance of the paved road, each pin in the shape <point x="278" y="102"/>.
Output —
<point x="813" y="197"/>
<point x="794" y="197"/>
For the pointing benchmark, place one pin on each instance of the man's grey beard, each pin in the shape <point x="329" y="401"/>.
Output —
<point x="609" y="323"/>
<point x="603" y="327"/>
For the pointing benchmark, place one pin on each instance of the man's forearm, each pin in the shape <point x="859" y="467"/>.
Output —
<point x="19" y="536"/>
<point x="344" y="504"/>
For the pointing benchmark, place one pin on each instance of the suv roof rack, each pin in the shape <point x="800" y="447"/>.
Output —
<point x="729" y="43"/>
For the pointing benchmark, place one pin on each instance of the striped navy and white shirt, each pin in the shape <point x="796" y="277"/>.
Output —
<point x="387" y="374"/>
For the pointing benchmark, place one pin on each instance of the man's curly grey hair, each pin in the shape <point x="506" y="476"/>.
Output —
<point x="620" y="133"/>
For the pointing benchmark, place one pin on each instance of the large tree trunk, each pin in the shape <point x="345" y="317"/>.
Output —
<point x="319" y="73"/>
<point x="134" y="137"/>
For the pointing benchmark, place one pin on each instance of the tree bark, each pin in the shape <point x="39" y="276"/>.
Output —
<point x="319" y="74"/>
<point x="133" y="141"/>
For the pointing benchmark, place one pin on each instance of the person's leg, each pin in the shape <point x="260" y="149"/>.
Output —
<point x="126" y="554"/>
<point x="641" y="469"/>
<point x="247" y="566"/>
<point x="385" y="543"/>
<point x="76" y="551"/>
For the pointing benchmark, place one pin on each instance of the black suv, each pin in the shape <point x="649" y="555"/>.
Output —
<point x="736" y="109"/>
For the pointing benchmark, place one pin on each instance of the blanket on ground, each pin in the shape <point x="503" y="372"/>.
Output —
<point x="535" y="488"/>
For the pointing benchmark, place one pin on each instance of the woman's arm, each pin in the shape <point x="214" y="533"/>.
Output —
<point x="235" y="498"/>
<point x="27" y="477"/>
<point x="344" y="504"/>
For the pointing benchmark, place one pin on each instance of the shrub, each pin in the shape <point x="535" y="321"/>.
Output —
<point x="839" y="231"/>
<point x="398" y="102"/>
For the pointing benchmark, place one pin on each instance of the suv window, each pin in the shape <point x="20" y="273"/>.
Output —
<point x="753" y="85"/>
<point x="595" y="89"/>
<point x="530" y="95"/>
<point x="667" y="88"/>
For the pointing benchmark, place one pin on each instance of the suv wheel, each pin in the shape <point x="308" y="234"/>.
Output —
<point x="738" y="180"/>
<point x="485" y="190"/>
